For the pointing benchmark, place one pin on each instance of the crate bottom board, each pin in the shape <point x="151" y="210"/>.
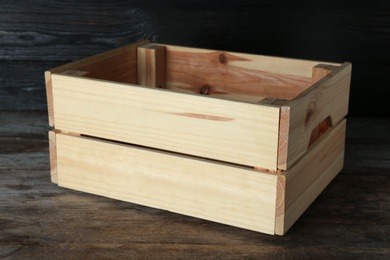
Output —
<point x="233" y="195"/>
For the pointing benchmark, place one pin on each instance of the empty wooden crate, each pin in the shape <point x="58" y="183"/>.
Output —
<point x="241" y="139"/>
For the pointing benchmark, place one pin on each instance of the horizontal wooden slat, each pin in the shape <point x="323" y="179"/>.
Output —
<point x="236" y="76"/>
<point x="223" y="130"/>
<point x="217" y="192"/>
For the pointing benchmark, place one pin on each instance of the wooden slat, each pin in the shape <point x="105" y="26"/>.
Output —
<point x="236" y="76"/>
<point x="49" y="97"/>
<point x="300" y="186"/>
<point x="284" y="132"/>
<point x="231" y="195"/>
<point x="53" y="156"/>
<point x="213" y="128"/>
<point x="151" y="65"/>
<point x="329" y="97"/>
<point x="273" y="64"/>
<point x="118" y="65"/>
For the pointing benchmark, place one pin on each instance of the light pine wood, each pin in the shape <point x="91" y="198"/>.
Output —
<point x="214" y="191"/>
<point x="118" y="65"/>
<point x="49" y="98"/>
<point x="327" y="100"/>
<point x="151" y="65"/>
<point x="53" y="156"/>
<point x="226" y="76"/>
<point x="236" y="132"/>
<point x="236" y="76"/>
<point x="300" y="186"/>
<point x="321" y="70"/>
<point x="284" y="133"/>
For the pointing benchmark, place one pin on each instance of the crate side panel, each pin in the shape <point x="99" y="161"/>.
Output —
<point x="236" y="132"/>
<point x="329" y="97"/>
<point x="221" y="193"/>
<point x="310" y="175"/>
<point x="119" y="64"/>
<point x="232" y="75"/>
<point x="273" y="64"/>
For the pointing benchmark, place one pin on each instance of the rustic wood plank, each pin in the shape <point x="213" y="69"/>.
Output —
<point x="23" y="145"/>
<point x="22" y="85"/>
<point x="189" y="186"/>
<point x="213" y="128"/>
<point x="33" y="31"/>
<point x="26" y="124"/>
<point x="177" y="251"/>
<point x="151" y="65"/>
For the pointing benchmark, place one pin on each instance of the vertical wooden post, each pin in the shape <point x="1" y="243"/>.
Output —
<point x="151" y="65"/>
<point x="321" y="70"/>
<point x="53" y="156"/>
<point x="49" y="95"/>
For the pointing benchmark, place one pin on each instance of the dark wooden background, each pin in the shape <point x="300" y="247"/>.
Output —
<point x="37" y="35"/>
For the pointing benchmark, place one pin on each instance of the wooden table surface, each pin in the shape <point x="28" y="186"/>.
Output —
<point x="39" y="220"/>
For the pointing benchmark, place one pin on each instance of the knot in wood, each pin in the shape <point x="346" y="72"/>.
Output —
<point x="222" y="58"/>
<point x="205" y="90"/>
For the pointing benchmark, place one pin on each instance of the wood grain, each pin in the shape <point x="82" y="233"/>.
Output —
<point x="350" y="219"/>
<point x="217" y="192"/>
<point x="236" y="132"/>
<point x="69" y="31"/>
<point x="22" y="85"/>
<point x="311" y="108"/>
<point x="306" y="179"/>
<point x="235" y="76"/>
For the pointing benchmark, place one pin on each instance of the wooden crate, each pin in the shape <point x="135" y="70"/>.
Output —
<point x="241" y="139"/>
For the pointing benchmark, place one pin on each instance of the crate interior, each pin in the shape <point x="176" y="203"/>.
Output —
<point x="232" y="76"/>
